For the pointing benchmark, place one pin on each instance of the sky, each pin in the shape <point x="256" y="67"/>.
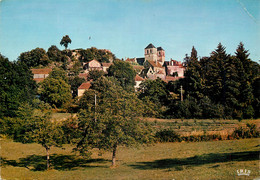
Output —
<point x="126" y="27"/>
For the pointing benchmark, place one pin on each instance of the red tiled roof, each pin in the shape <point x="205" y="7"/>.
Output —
<point x="130" y="60"/>
<point x="138" y="67"/>
<point x="171" y="78"/>
<point x="41" y="71"/>
<point x="107" y="64"/>
<point x="155" y="64"/>
<point x="138" y="78"/>
<point x="85" y="85"/>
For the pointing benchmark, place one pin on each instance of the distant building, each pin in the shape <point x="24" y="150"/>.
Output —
<point x="155" y="66"/>
<point x="173" y="67"/>
<point x="154" y="54"/>
<point x="105" y="66"/>
<point x="40" y="74"/>
<point x="83" y="87"/>
<point x="138" y="81"/>
<point x="92" y="65"/>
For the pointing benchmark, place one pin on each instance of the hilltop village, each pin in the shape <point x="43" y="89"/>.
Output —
<point x="151" y="66"/>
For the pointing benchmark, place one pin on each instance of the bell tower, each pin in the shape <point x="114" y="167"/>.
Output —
<point x="150" y="53"/>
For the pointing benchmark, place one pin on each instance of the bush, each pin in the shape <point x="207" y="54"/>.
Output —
<point x="250" y="131"/>
<point x="167" y="135"/>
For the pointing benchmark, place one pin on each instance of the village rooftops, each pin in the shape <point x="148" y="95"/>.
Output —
<point x="150" y="46"/>
<point x="41" y="71"/>
<point x="138" y="78"/>
<point x="106" y="64"/>
<point x="85" y="85"/>
<point x="155" y="64"/>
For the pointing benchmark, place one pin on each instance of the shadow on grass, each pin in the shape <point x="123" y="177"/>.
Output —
<point x="178" y="163"/>
<point x="58" y="162"/>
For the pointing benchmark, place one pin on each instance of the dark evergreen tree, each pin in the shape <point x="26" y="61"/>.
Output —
<point x="193" y="83"/>
<point x="16" y="86"/>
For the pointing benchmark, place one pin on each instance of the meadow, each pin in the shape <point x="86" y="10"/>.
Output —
<point x="194" y="160"/>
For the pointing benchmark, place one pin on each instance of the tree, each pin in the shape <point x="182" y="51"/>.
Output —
<point x="55" y="92"/>
<point x="101" y="55"/>
<point x="16" y="86"/>
<point x="193" y="82"/>
<point x="216" y="75"/>
<point x="247" y="73"/>
<point x="54" y="54"/>
<point x="124" y="73"/>
<point x="37" y="127"/>
<point x="34" y="58"/>
<point x="114" y="123"/>
<point x="155" y="90"/>
<point x="95" y="74"/>
<point x="65" y="41"/>
<point x="58" y="73"/>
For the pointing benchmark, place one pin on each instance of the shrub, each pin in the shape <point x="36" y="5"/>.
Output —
<point x="250" y="131"/>
<point x="167" y="135"/>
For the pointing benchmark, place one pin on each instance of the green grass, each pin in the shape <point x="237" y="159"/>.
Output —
<point x="198" y="160"/>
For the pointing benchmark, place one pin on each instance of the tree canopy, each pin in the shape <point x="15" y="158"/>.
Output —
<point x="16" y="86"/>
<point x="65" y="41"/>
<point x="124" y="73"/>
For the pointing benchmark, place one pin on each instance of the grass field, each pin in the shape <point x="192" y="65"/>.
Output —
<point x="197" y="160"/>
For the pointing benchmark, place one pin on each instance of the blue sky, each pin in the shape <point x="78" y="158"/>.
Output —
<point x="126" y="27"/>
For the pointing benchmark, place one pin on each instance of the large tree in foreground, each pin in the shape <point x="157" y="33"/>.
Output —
<point x="37" y="126"/>
<point x="115" y="123"/>
<point x="65" y="41"/>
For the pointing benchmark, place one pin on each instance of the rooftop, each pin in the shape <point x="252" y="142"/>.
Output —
<point x="150" y="46"/>
<point x="85" y="85"/>
<point x="41" y="71"/>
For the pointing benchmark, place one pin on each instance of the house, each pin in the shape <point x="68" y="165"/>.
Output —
<point x="138" y="81"/>
<point x="40" y="74"/>
<point x="83" y="87"/>
<point x="92" y="65"/>
<point x="105" y="66"/>
<point x="153" y="69"/>
<point x="173" y="67"/>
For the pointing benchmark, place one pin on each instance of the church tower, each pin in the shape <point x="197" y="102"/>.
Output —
<point x="150" y="53"/>
<point x="160" y="55"/>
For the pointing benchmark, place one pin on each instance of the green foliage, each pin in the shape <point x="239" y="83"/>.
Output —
<point x="222" y="84"/>
<point x="65" y="41"/>
<point x="56" y="92"/>
<point x="113" y="122"/>
<point x="193" y="82"/>
<point x="100" y="55"/>
<point x="95" y="74"/>
<point x="57" y="73"/>
<point x="124" y="73"/>
<point x="16" y="86"/>
<point x="34" y="58"/>
<point x="155" y="90"/>
<point x="167" y="135"/>
<point x="87" y="101"/>
<point x="54" y="54"/>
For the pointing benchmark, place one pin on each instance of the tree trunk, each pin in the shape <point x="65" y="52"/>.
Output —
<point x="48" y="157"/>
<point x="114" y="156"/>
